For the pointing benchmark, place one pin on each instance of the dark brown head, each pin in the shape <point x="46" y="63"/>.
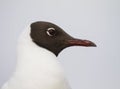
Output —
<point x="53" y="38"/>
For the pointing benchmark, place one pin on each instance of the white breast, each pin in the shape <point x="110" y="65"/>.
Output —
<point x="37" y="68"/>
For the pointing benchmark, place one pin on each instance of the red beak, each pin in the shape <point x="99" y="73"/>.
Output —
<point x="80" y="42"/>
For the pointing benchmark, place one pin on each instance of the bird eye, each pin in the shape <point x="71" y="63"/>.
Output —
<point x="51" y="31"/>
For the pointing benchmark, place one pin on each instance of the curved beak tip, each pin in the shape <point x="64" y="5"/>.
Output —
<point x="89" y="43"/>
<point x="93" y="45"/>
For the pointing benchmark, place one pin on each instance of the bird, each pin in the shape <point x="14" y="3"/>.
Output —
<point x="37" y="66"/>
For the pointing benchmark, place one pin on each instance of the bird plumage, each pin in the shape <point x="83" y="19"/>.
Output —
<point x="37" y="65"/>
<point x="37" y="68"/>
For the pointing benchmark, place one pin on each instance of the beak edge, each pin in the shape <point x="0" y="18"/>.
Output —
<point x="79" y="42"/>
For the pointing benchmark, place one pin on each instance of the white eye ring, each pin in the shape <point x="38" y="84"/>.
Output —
<point x="50" y="31"/>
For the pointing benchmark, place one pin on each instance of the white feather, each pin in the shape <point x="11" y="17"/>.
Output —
<point x="37" y="68"/>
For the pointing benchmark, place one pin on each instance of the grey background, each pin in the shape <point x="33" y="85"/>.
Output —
<point x="96" y="20"/>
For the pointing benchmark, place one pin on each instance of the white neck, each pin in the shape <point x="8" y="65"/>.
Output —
<point x="37" y="68"/>
<point x="35" y="59"/>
